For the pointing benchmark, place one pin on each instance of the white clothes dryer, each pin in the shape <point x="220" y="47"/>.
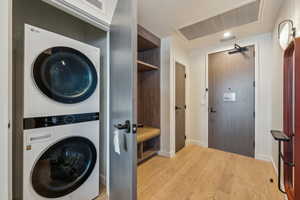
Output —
<point x="61" y="75"/>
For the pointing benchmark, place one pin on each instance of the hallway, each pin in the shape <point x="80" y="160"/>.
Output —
<point x="205" y="174"/>
<point x="150" y="100"/>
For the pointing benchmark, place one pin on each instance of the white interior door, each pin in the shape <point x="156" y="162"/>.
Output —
<point x="5" y="11"/>
<point x="123" y="104"/>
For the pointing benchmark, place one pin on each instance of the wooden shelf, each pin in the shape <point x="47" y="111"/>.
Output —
<point x="142" y="66"/>
<point x="147" y="133"/>
<point x="147" y="136"/>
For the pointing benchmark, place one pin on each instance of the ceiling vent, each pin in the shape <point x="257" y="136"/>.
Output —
<point x="228" y="39"/>
<point x="243" y="15"/>
<point x="97" y="3"/>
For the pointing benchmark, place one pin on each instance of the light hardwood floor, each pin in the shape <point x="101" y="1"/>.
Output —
<point x="103" y="194"/>
<point x="205" y="174"/>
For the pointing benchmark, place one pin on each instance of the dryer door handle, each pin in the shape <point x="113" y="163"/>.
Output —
<point x="32" y="139"/>
<point x="40" y="137"/>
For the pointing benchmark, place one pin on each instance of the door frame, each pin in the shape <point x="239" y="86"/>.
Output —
<point x="6" y="91"/>
<point x="258" y="112"/>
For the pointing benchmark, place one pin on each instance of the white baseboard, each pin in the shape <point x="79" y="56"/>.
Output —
<point x="196" y="142"/>
<point x="263" y="157"/>
<point x="166" y="154"/>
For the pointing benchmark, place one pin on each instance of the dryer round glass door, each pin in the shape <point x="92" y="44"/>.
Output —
<point x="64" y="167"/>
<point x="65" y="75"/>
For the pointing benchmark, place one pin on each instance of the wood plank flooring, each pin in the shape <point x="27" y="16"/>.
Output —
<point x="206" y="174"/>
<point x="103" y="194"/>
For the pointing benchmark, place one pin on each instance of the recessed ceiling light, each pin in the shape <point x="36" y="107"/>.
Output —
<point x="227" y="34"/>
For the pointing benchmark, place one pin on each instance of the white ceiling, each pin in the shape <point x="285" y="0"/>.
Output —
<point x="166" y="17"/>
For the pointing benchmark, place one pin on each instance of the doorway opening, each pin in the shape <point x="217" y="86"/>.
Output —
<point x="231" y="101"/>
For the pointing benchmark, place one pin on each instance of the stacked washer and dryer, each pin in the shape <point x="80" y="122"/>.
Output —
<point x="61" y="117"/>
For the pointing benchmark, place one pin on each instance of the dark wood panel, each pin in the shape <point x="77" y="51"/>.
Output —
<point x="288" y="124"/>
<point x="291" y="119"/>
<point x="232" y="123"/>
<point x="151" y="56"/>
<point x="148" y="90"/>
<point x="180" y="107"/>
<point x="147" y="40"/>
<point x="297" y="119"/>
<point x="144" y="45"/>
<point x="149" y="98"/>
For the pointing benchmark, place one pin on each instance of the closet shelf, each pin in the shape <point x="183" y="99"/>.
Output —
<point x="142" y="66"/>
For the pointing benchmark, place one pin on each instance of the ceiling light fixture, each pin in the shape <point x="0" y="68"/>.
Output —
<point x="227" y="34"/>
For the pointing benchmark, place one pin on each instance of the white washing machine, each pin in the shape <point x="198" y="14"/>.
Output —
<point x="61" y="75"/>
<point x="61" y="162"/>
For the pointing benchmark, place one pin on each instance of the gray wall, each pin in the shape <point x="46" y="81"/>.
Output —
<point x="42" y="15"/>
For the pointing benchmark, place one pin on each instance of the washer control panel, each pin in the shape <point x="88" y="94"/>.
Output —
<point x="43" y="122"/>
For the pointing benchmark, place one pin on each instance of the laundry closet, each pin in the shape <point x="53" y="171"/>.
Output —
<point x="60" y="101"/>
<point x="80" y="70"/>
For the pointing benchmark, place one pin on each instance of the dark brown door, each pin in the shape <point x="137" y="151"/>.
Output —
<point x="232" y="101"/>
<point x="180" y="106"/>
<point x="291" y="122"/>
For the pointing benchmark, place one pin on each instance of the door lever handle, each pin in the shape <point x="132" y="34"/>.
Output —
<point x="211" y="110"/>
<point x="125" y="143"/>
<point x="180" y="108"/>
<point x="125" y="126"/>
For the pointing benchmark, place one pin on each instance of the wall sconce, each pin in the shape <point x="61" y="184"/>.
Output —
<point x="286" y="33"/>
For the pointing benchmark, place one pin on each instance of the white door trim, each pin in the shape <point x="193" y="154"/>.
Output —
<point x="5" y="99"/>
<point x="168" y="62"/>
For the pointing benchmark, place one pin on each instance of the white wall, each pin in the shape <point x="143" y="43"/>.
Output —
<point x="4" y="98"/>
<point x="290" y="9"/>
<point x="269" y="102"/>
<point x="173" y="50"/>
<point x="165" y="149"/>
<point x="199" y="100"/>
<point x="297" y="15"/>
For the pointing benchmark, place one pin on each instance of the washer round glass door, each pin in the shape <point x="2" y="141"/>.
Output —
<point x="64" y="167"/>
<point x="65" y="75"/>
